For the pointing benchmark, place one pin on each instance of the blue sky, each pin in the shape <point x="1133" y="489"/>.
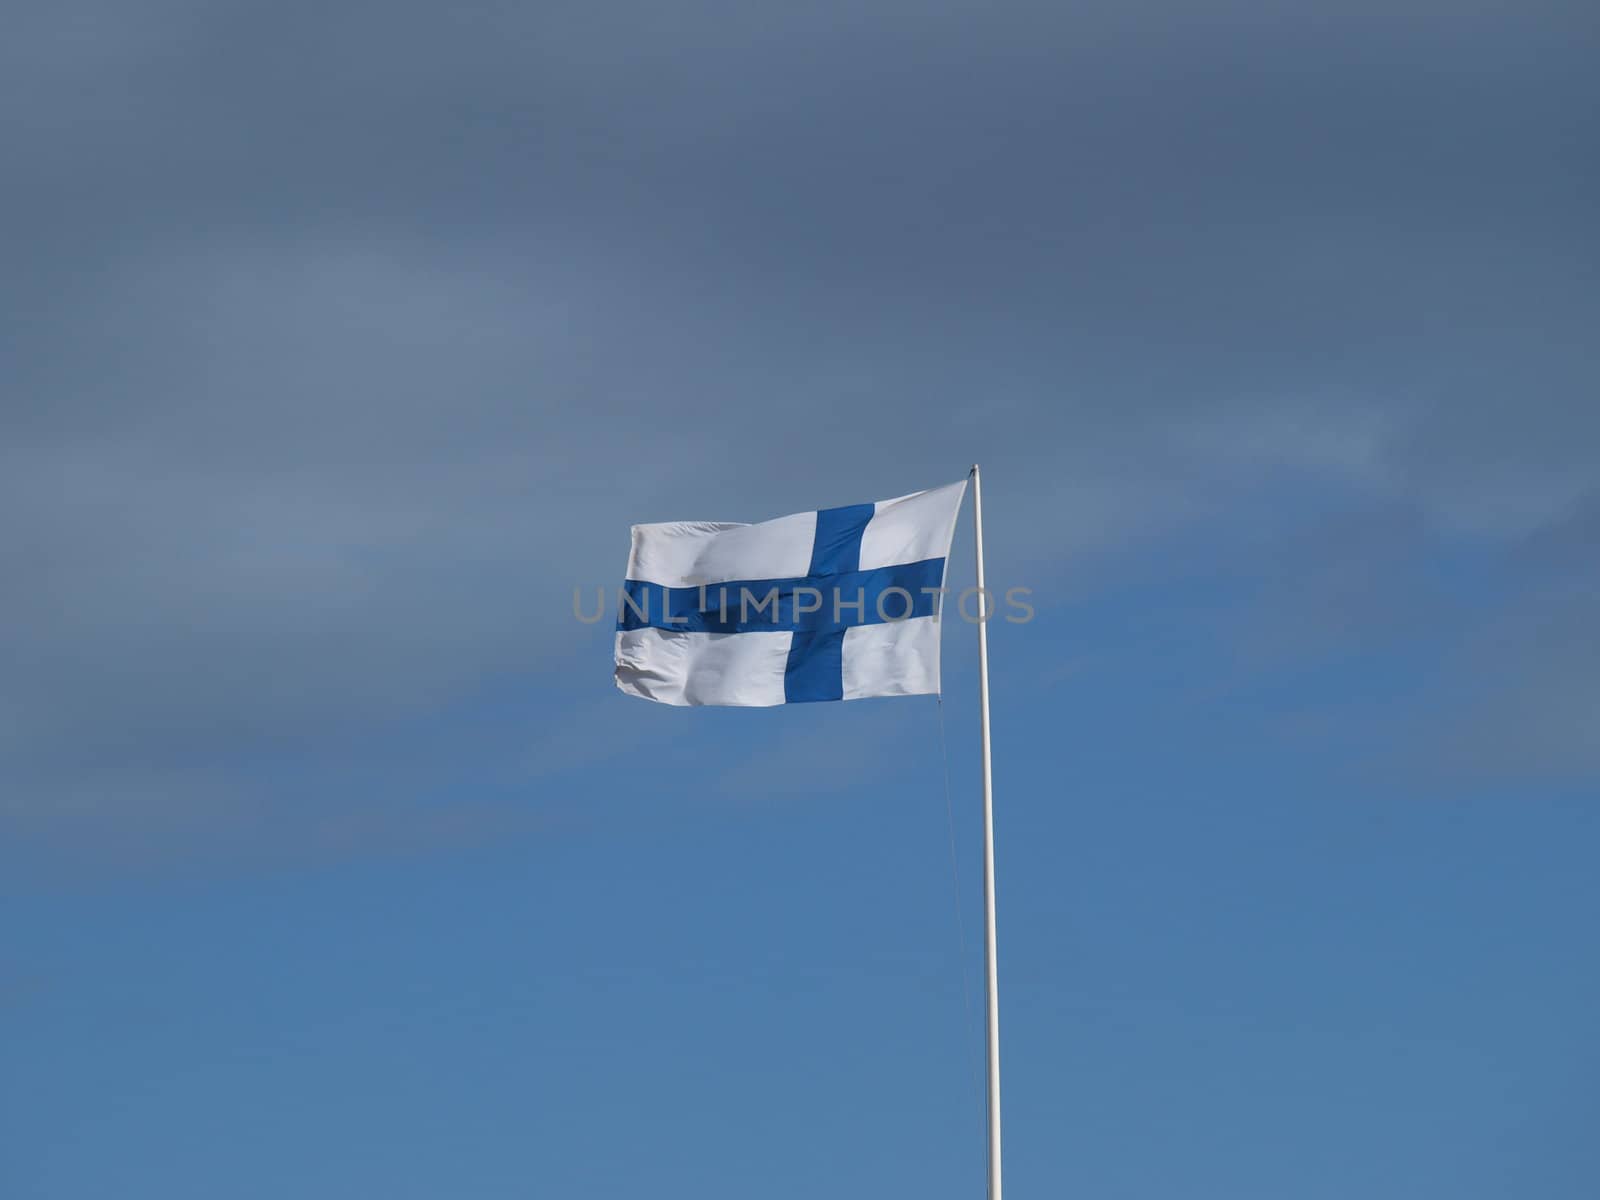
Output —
<point x="341" y="341"/>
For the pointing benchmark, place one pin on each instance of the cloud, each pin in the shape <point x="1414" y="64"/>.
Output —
<point x="1523" y="677"/>
<point x="343" y="340"/>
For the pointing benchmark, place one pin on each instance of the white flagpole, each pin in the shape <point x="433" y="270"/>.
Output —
<point x="989" y="955"/>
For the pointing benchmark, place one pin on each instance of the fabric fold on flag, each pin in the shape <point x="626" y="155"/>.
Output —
<point x="838" y="604"/>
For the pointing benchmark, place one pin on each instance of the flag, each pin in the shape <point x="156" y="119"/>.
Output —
<point x="838" y="604"/>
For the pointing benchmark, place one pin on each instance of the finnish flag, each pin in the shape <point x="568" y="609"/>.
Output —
<point x="838" y="604"/>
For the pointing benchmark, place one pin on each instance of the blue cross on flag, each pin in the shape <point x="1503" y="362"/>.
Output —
<point x="838" y="604"/>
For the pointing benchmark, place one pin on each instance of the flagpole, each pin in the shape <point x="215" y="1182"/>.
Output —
<point x="992" y="1007"/>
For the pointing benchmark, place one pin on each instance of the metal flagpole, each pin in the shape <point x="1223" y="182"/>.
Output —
<point x="989" y="955"/>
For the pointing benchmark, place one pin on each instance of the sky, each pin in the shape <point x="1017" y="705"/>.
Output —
<point x="340" y="342"/>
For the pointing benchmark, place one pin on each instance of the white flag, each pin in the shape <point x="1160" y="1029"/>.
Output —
<point x="837" y="604"/>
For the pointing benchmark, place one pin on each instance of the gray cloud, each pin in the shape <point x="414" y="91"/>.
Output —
<point x="328" y="331"/>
